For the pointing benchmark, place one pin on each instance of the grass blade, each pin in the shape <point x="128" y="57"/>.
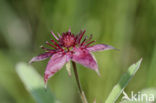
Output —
<point x="34" y="83"/>
<point x="119" y="87"/>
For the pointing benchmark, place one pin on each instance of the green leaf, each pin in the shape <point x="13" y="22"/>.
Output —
<point x="9" y="80"/>
<point x="34" y="84"/>
<point x="119" y="87"/>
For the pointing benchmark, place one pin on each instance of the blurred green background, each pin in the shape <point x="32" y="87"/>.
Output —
<point x="129" y="25"/>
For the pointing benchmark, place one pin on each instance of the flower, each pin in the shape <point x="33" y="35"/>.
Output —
<point x="69" y="47"/>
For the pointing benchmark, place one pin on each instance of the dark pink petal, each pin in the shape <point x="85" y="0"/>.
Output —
<point x="100" y="47"/>
<point x="55" y="64"/>
<point x="82" y="56"/>
<point x="41" y="57"/>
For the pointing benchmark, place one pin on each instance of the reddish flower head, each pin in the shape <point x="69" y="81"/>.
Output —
<point x="69" y="47"/>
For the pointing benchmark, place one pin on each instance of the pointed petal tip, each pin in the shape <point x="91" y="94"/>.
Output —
<point x="98" y="73"/>
<point x="40" y="57"/>
<point x="31" y="61"/>
<point x="111" y="47"/>
<point x="100" y="47"/>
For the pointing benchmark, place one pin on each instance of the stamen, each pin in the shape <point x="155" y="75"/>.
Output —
<point x="54" y="35"/>
<point x="56" y="44"/>
<point x="59" y="35"/>
<point x="89" y="38"/>
<point x="81" y="35"/>
<point x="75" y="40"/>
<point x="50" y="45"/>
<point x="90" y="43"/>
<point x="83" y="42"/>
<point x="42" y="47"/>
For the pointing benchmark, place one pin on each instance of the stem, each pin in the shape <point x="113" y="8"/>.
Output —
<point x="83" y="97"/>
<point x="76" y="76"/>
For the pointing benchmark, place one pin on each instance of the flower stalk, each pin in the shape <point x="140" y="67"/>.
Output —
<point x="83" y="97"/>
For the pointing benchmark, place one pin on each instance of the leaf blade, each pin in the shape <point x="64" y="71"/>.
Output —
<point x="120" y="86"/>
<point x="34" y="83"/>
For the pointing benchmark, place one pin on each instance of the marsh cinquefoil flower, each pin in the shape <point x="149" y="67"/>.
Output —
<point x="69" y="47"/>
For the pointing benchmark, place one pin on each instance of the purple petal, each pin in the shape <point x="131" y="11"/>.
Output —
<point x="55" y="64"/>
<point x="82" y="56"/>
<point x="41" y="57"/>
<point x="100" y="47"/>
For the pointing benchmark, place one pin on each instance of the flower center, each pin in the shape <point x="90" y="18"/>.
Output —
<point x="68" y="40"/>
